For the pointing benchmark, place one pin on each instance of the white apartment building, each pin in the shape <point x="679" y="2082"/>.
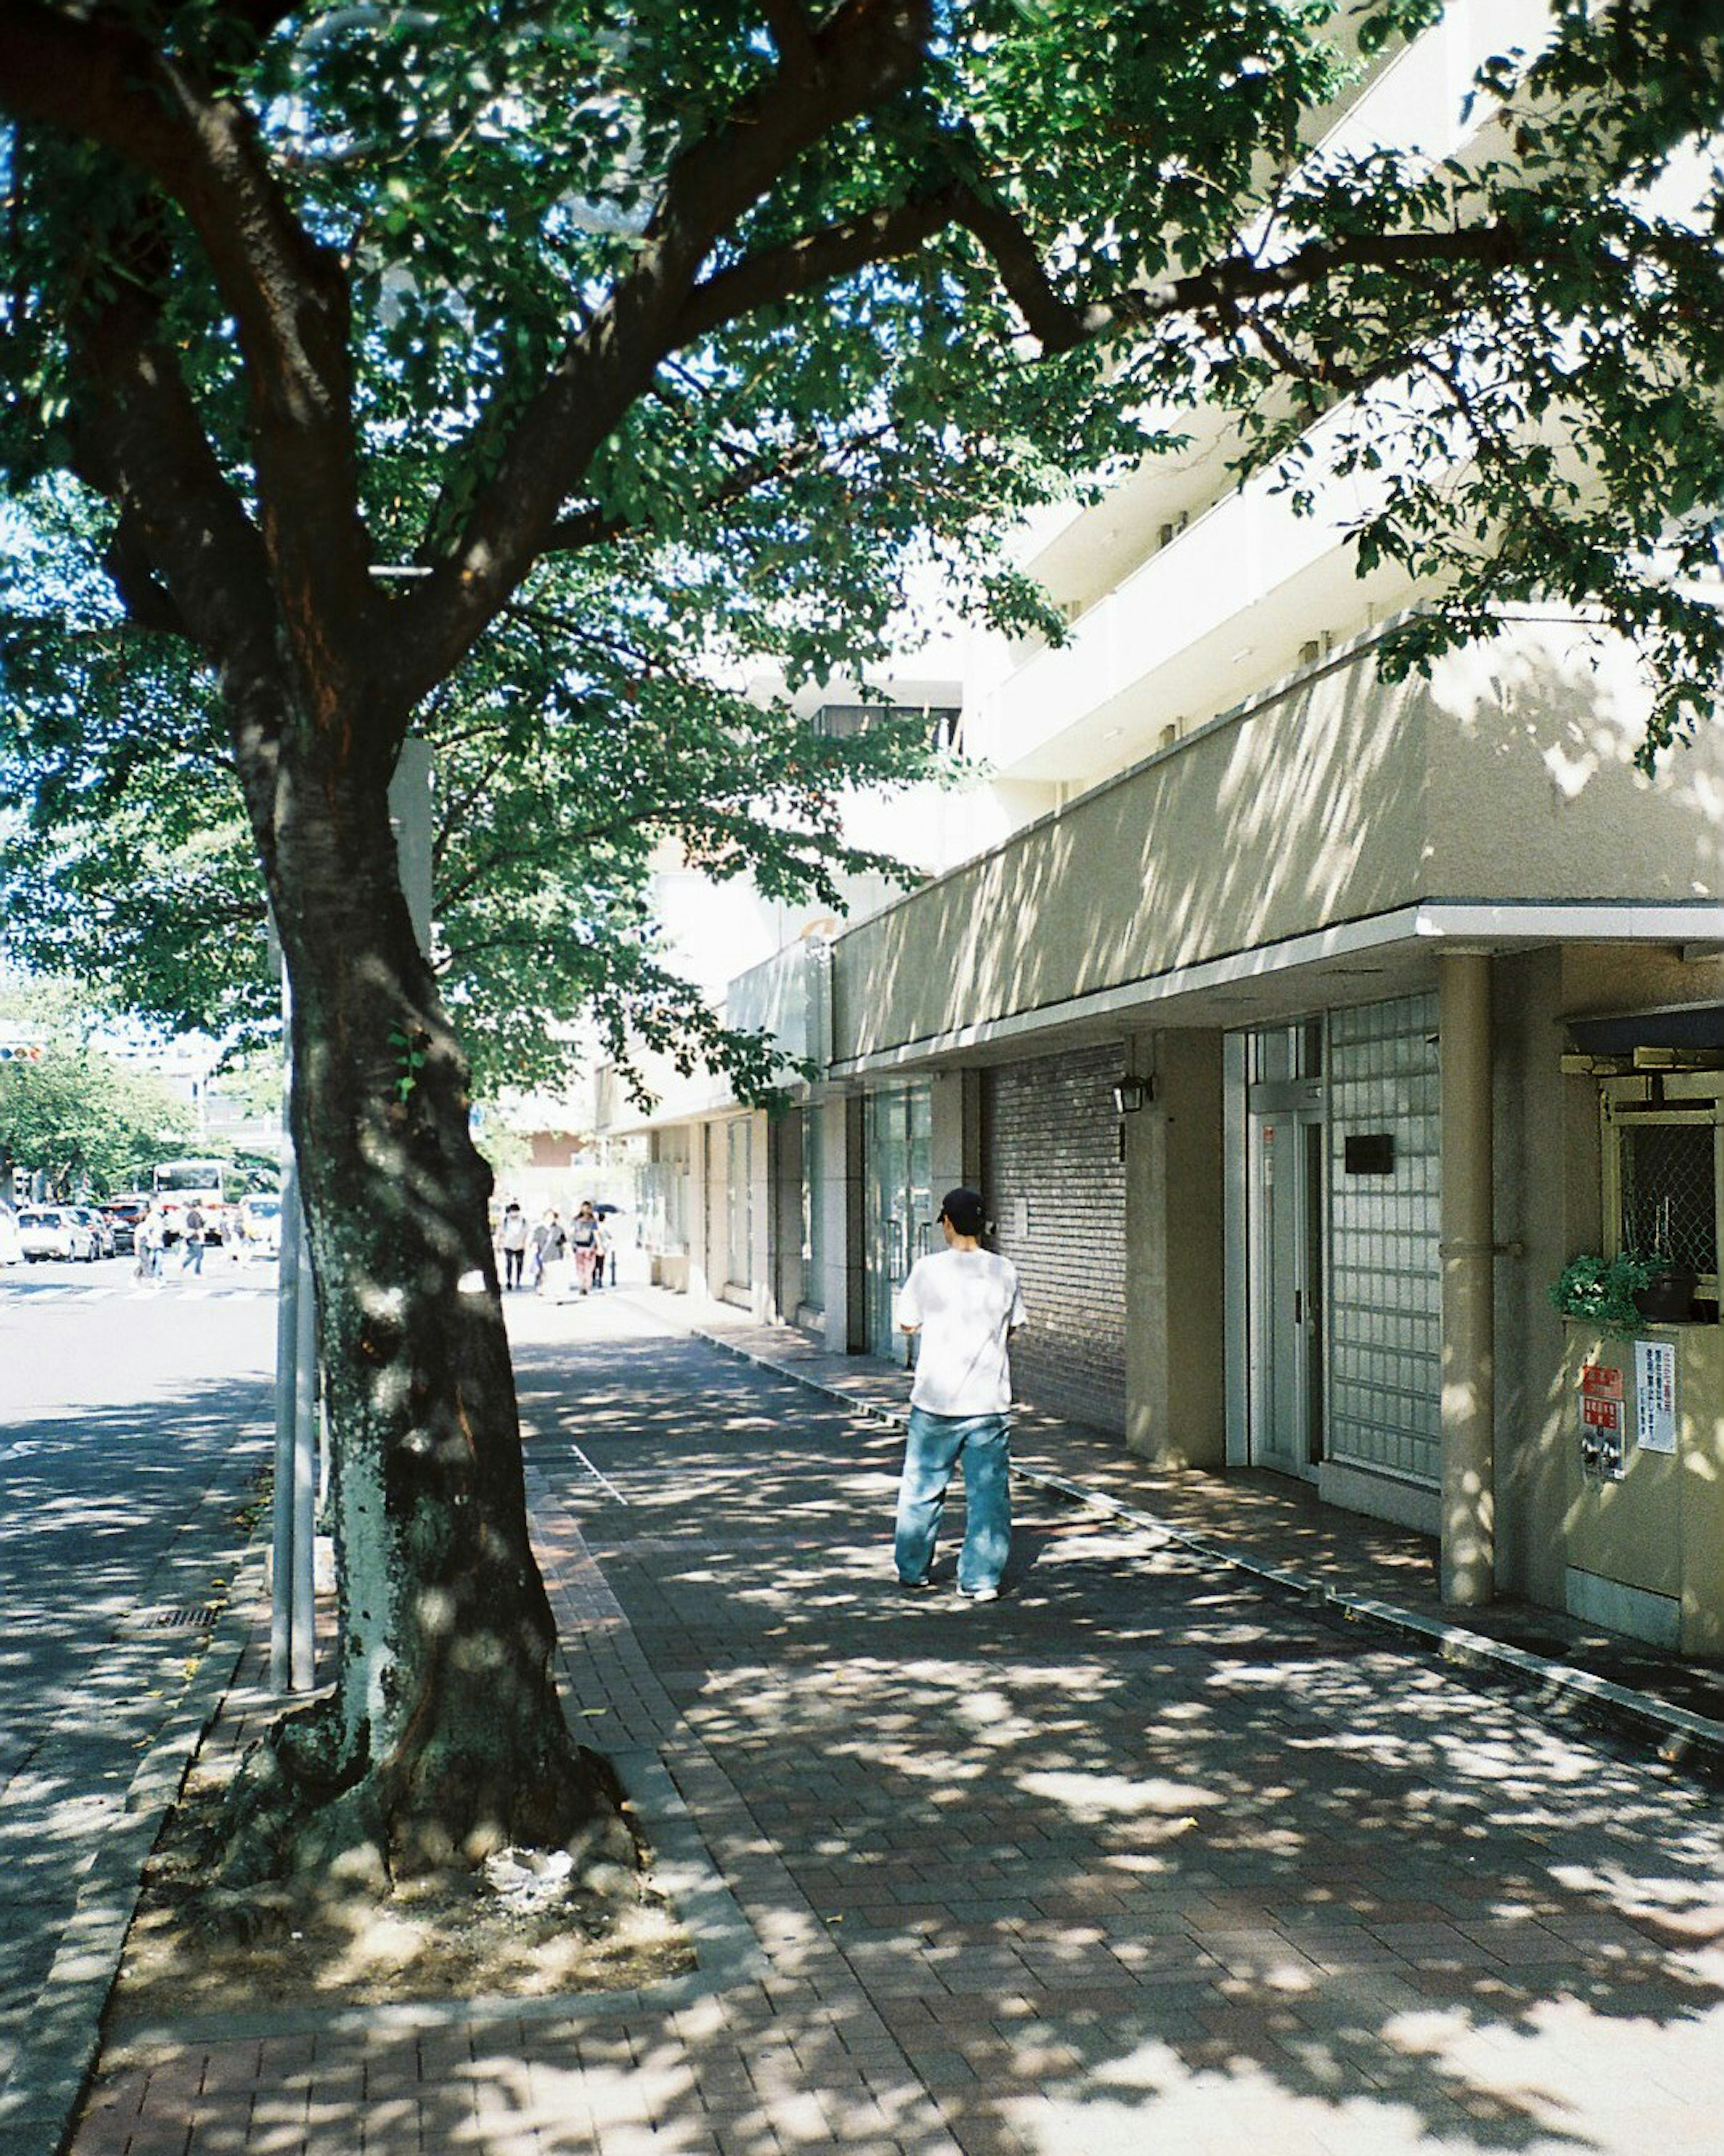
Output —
<point x="1298" y="1029"/>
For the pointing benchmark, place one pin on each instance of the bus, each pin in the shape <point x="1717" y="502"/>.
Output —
<point x="179" y="1183"/>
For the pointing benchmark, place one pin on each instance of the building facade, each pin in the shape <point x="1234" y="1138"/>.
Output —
<point x="1299" y="1029"/>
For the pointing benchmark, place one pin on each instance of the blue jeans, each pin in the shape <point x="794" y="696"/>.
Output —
<point x="935" y="1444"/>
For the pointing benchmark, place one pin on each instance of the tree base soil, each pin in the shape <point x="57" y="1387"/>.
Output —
<point x="527" y="1924"/>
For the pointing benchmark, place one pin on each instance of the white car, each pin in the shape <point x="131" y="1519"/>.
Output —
<point x="101" y="1232"/>
<point x="53" y="1231"/>
<point x="259" y="1225"/>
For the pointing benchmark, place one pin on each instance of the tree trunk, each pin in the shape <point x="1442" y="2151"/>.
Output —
<point x="444" y="1737"/>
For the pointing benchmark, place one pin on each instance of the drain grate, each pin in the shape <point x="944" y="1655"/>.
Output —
<point x="174" y="1617"/>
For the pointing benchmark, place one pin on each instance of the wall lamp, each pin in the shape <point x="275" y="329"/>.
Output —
<point x="1131" y="1094"/>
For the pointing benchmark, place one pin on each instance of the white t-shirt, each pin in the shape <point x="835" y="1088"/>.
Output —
<point x="966" y="1303"/>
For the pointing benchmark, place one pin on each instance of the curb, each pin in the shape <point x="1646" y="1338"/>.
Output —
<point x="47" y="2082"/>
<point x="1682" y="1737"/>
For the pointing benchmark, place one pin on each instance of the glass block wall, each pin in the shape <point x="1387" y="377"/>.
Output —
<point x="1385" y="1282"/>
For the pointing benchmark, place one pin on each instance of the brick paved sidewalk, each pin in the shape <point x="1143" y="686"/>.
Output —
<point x="1140" y="1858"/>
<point x="1364" y="1569"/>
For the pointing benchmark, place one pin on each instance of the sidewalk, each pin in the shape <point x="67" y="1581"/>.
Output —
<point x="1149" y="1855"/>
<point x="1367" y="1571"/>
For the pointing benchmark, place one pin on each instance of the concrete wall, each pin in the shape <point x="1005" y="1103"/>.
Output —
<point x="1505" y="779"/>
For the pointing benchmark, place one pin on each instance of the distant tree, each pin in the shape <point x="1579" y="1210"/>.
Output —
<point x="87" y="1122"/>
<point x="674" y="330"/>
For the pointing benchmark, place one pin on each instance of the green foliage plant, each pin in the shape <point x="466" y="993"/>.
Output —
<point x="1601" y="1290"/>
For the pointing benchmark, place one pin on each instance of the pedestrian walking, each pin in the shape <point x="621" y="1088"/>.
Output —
<point x="965" y="1303"/>
<point x="192" y="1239"/>
<point x="513" y="1241"/>
<point x="583" y="1236"/>
<point x="551" y="1239"/>
<point x="146" y="1242"/>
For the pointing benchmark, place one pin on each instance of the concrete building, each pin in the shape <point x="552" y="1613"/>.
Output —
<point x="1298" y="1031"/>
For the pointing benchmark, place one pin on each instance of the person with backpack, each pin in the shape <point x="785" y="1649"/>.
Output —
<point x="192" y="1225"/>
<point x="583" y="1238"/>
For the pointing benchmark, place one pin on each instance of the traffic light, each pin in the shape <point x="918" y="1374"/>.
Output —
<point x="31" y="1053"/>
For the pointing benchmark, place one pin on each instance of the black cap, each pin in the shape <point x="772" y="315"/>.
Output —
<point x="965" y="1211"/>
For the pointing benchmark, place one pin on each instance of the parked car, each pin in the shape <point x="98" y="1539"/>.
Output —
<point x="53" y="1231"/>
<point x="260" y="1225"/>
<point x="122" y="1214"/>
<point x="101" y="1228"/>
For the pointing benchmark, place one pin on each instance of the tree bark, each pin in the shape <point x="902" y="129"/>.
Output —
<point x="443" y="1736"/>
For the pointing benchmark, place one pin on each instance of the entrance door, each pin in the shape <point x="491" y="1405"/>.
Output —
<point x="1286" y="1172"/>
<point x="900" y="1205"/>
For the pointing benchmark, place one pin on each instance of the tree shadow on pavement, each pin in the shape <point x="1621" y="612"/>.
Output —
<point x="1140" y="1834"/>
<point x="1137" y="1858"/>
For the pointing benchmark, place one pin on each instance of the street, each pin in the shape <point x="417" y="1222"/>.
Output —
<point x="134" y="1420"/>
<point x="1140" y="1857"/>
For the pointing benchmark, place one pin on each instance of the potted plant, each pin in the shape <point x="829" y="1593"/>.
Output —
<point x="1666" y="1296"/>
<point x="1606" y="1291"/>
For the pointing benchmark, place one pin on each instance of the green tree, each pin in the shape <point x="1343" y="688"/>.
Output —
<point x="87" y="1121"/>
<point x="564" y="766"/>
<point x="693" y="328"/>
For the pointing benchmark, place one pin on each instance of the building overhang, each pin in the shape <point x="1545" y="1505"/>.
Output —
<point x="1366" y="961"/>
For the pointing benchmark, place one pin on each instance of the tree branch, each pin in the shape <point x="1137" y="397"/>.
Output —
<point x="184" y="553"/>
<point x="863" y="52"/>
<point x="776" y="274"/>
<point x="575" y="535"/>
<point x="793" y="34"/>
<point x="95" y="80"/>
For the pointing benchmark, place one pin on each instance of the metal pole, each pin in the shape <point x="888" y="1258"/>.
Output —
<point x="293" y="1608"/>
<point x="287" y="1339"/>
<point x="1468" y="1251"/>
<point x="304" y="1659"/>
<point x="410" y="817"/>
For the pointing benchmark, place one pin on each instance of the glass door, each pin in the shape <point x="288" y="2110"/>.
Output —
<point x="899" y="1226"/>
<point x="1284" y="1229"/>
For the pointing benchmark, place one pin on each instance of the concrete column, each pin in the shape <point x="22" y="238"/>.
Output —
<point x="955" y="1131"/>
<point x="839" y="1195"/>
<point x="1175" y="1400"/>
<point x="1468" y="1552"/>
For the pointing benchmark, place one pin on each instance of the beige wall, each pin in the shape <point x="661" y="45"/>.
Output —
<point x="1175" y="1358"/>
<point x="1506" y="778"/>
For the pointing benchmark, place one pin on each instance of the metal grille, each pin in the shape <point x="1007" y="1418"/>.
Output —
<point x="167" y="1617"/>
<point x="1668" y="1206"/>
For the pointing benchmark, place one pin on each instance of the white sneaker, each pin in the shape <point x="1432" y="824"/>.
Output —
<point x="978" y="1594"/>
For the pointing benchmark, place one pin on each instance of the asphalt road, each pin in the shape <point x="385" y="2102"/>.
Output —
<point x="134" y="1420"/>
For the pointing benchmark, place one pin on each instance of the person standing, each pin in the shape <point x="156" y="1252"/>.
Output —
<point x="965" y="1304"/>
<point x="513" y="1242"/>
